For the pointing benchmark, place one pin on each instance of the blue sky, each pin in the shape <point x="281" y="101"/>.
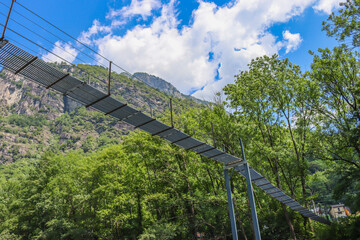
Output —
<point x="198" y="46"/>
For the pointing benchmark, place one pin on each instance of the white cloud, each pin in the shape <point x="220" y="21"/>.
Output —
<point x="63" y="50"/>
<point x="327" y="6"/>
<point x="234" y="34"/>
<point x="94" y="30"/>
<point x="137" y="7"/>
<point x="292" y="41"/>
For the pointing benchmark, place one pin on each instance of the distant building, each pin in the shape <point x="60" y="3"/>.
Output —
<point x="338" y="211"/>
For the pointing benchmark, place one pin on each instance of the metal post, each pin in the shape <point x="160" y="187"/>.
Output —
<point x="109" y="78"/>
<point x="231" y="205"/>
<point x="251" y="195"/>
<point x="171" y="113"/>
<point x="7" y="19"/>
<point x="213" y="134"/>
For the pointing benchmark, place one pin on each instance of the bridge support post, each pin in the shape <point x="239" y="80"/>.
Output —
<point x="171" y="114"/>
<point x="251" y="195"/>
<point x="109" y="78"/>
<point x="231" y="205"/>
<point x="7" y="20"/>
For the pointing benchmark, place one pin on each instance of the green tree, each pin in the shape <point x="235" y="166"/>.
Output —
<point x="119" y="192"/>
<point x="345" y="228"/>
<point x="336" y="75"/>
<point x="159" y="232"/>
<point x="345" y="24"/>
<point x="272" y="97"/>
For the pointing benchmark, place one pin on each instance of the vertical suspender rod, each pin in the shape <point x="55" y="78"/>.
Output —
<point x="171" y="113"/>
<point x="7" y="19"/>
<point x="213" y="134"/>
<point x="109" y="78"/>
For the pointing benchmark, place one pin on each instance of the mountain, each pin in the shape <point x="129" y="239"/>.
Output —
<point x="163" y="86"/>
<point x="158" y="83"/>
<point x="34" y="119"/>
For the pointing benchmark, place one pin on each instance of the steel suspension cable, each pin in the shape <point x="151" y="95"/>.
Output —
<point x="77" y="40"/>
<point x="62" y="31"/>
<point x="19" y="34"/>
<point x="70" y="37"/>
<point x="90" y="93"/>
<point x="48" y="50"/>
<point x="61" y="48"/>
<point x="56" y="36"/>
<point x="29" y="49"/>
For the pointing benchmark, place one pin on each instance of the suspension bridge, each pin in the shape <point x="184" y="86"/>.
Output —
<point x="20" y="62"/>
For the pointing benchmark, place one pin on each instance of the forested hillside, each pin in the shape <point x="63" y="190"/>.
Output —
<point x="72" y="173"/>
<point x="34" y="119"/>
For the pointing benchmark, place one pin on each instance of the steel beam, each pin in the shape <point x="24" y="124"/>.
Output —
<point x="206" y="150"/>
<point x="66" y="75"/>
<point x="116" y="109"/>
<point x="72" y="89"/>
<point x="181" y="139"/>
<point x="216" y="155"/>
<point x="96" y="101"/>
<point x="251" y="195"/>
<point x="27" y="64"/>
<point x="143" y="124"/>
<point x="264" y="184"/>
<point x="257" y="179"/>
<point x="231" y="205"/>
<point x="193" y="147"/>
<point x="162" y="131"/>
<point x="288" y="201"/>
<point x="236" y="163"/>
<point x="272" y="186"/>
<point x="129" y="116"/>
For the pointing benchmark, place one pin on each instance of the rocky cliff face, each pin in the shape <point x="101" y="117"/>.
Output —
<point x="33" y="119"/>
<point x="158" y="83"/>
<point x="20" y="96"/>
<point x="163" y="86"/>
